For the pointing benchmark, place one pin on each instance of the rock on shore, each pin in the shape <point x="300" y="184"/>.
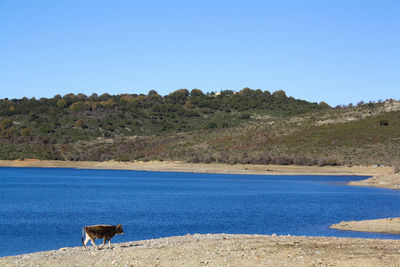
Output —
<point x="224" y="250"/>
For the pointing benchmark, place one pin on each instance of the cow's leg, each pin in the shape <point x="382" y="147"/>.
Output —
<point x="87" y="238"/>
<point x="94" y="243"/>
<point x="104" y="241"/>
<point x="109" y="243"/>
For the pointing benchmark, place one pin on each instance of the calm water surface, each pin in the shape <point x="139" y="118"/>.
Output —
<point x="44" y="208"/>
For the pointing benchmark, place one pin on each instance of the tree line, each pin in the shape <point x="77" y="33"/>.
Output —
<point x="46" y="127"/>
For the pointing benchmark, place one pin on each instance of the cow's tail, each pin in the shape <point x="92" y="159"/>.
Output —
<point x="83" y="233"/>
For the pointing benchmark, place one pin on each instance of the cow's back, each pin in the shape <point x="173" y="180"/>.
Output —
<point x="100" y="231"/>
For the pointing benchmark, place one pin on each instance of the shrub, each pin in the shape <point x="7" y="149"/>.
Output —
<point x="224" y="124"/>
<point x="302" y="161"/>
<point x="25" y="132"/>
<point x="61" y="103"/>
<point x="194" y="159"/>
<point x="79" y="106"/>
<point x="396" y="169"/>
<point x="211" y="125"/>
<point x="324" y="105"/>
<point x="80" y="123"/>
<point x="209" y="160"/>
<point x="282" y="160"/>
<point x="123" y="158"/>
<point x="245" y="116"/>
<point x="109" y="127"/>
<point x="327" y="162"/>
<point x="6" y="123"/>
<point x="109" y="104"/>
<point x="384" y="123"/>
<point x="189" y="105"/>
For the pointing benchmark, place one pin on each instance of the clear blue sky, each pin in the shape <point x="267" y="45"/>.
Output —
<point x="334" y="51"/>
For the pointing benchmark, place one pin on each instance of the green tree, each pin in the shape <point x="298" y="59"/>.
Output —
<point x="323" y="105"/>
<point x="196" y="92"/>
<point x="178" y="97"/>
<point x="211" y="125"/>
<point x="6" y="123"/>
<point x="280" y="94"/>
<point x="80" y="123"/>
<point x="79" y="106"/>
<point x="26" y="131"/>
<point x="62" y="103"/>
<point x="109" y="104"/>
<point x="246" y="92"/>
<point x="188" y="105"/>
<point x="152" y="92"/>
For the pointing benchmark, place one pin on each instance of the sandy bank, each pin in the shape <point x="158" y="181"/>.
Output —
<point x="224" y="250"/>
<point x="387" y="225"/>
<point x="202" y="168"/>
<point x="390" y="180"/>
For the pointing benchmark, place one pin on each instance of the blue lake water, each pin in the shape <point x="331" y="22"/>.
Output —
<point x="44" y="208"/>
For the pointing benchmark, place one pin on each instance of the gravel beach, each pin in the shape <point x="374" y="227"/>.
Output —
<point x="224" y="250"/>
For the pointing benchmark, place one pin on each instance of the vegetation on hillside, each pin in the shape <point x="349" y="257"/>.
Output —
<point x="78" y="117"/>
<point x="251" y="126"/>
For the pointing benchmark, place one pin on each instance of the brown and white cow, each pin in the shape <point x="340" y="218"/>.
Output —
<point x="100" y="231"/>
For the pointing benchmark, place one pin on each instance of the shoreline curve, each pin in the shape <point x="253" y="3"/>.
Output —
<point x="177" y="166"/>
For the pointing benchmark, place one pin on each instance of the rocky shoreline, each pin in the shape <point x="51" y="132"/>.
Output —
<point x="224" y="250"/>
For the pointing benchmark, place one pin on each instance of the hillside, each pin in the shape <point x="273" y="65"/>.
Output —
<point x="251" y="126"/>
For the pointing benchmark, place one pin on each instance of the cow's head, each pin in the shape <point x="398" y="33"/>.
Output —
<point x="118" y="229"/>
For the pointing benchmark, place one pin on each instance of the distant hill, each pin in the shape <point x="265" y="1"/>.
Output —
<point x="250" y="126"/>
